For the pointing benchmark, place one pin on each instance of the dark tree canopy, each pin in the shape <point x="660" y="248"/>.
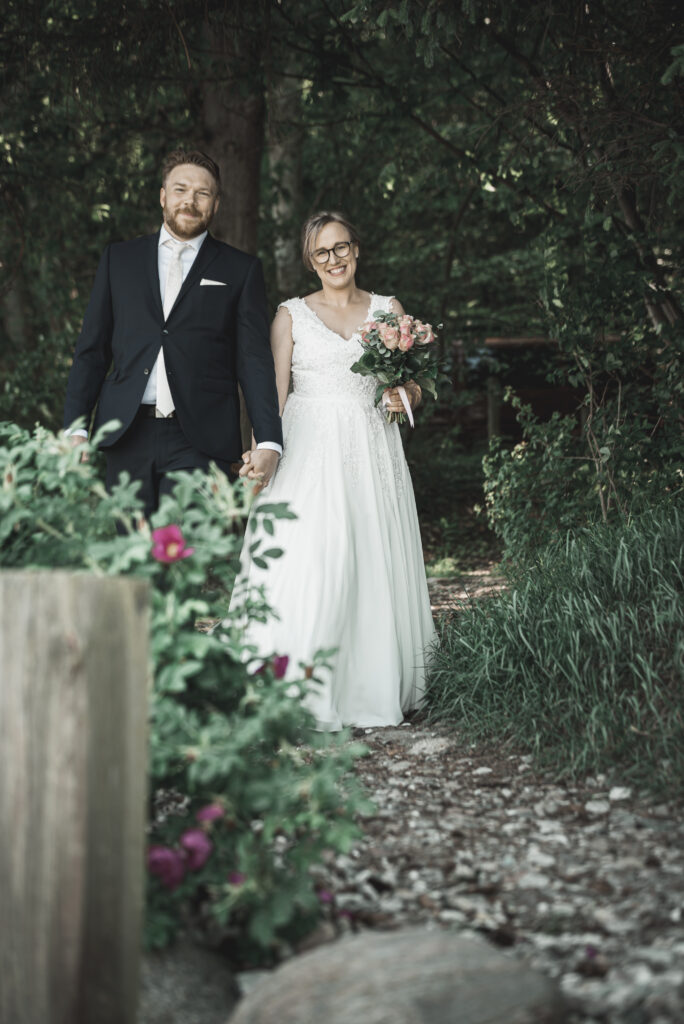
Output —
<point x="512" y="169"/>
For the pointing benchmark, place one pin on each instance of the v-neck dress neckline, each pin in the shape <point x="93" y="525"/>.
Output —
<point x="322" y="322"/>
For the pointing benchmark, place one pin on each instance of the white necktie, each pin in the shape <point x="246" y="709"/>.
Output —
<point x="174" y="280"/>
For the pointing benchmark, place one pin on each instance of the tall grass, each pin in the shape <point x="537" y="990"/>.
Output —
<point x="582" y="660"/>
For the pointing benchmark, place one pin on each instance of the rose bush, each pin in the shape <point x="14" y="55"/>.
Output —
<point x="243" y="799"/>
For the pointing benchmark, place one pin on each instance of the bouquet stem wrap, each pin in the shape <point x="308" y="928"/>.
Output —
<point x="407" y="405"/>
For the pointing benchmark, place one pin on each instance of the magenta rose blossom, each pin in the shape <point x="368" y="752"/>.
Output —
<point x="167" y="865"/>
<point x="280" y="663"/>
<point x="197" y="847"/>
<point x="210" y="813"/>
<point x="169" y="544"/>
<point x="237" y="878"/>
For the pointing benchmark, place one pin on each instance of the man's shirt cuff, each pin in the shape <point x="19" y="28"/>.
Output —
<point x="272" y="446"/>
<point x="78" y="433"/>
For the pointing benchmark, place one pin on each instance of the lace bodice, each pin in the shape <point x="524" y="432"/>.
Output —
<point x="321" y="358"/>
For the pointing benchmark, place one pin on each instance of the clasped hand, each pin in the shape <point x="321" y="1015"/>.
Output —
<point x="259" y="466"/>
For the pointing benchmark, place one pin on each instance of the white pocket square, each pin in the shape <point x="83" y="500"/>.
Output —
<point x="207" y="280"/>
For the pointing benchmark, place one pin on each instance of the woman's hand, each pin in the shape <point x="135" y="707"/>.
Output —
<point x="258" y="467"/>
<point x="391" y="399"/>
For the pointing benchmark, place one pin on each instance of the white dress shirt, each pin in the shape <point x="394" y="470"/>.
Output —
<point x="163" y="258"/>
<point x="187" y="259"/>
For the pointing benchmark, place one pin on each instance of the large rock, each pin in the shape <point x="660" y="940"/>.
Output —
<point x="185" y="984"/>
<point x="408" y="977"/>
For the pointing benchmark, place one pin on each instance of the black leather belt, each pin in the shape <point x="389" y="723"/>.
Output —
<point x="150" y="412"/>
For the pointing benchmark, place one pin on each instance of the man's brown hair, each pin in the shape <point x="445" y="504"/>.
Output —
<point x="191" y="156"/>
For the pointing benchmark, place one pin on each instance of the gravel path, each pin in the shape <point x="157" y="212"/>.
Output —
<point x="449" y="594"/>
<point x="586" y="881"/>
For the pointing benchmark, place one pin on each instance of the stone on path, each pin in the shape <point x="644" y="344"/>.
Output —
<point x="430" y="745"/>
<point x="186" y="984"/>
<point x="415" y="976"/>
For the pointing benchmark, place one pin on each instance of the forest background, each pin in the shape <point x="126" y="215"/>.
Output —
<point x="515" y="170"/>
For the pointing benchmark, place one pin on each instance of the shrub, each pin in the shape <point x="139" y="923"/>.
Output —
<point x="623" y="451"/>
<point x="222" y="735"/>
<point x="540" y="488"/>
<point x="582" y="661"/>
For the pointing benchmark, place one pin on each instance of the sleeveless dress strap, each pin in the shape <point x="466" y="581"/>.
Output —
<point x="381" y="303"/>
<point x="293" y="306"/>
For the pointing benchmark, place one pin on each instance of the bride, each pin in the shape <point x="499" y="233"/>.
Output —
<point x="352" y="575"/>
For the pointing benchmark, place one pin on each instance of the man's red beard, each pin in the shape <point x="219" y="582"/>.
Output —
<point x="184" y="227"/>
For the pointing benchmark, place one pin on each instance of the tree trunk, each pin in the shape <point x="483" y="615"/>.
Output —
<point x="233" y="126"/>
<point x="14" y="304"/>
<point x="285" y="140"/>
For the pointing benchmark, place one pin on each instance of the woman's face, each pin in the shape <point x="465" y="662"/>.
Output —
<point x="337" y="271"/>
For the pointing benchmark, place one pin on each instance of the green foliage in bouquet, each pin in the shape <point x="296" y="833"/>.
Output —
<point x="243" y="799"/>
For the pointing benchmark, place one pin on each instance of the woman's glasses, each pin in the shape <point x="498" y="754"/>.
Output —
<point x="341" y="249"/>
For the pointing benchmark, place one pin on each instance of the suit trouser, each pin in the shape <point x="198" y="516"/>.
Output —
<point x="150" y="450"/>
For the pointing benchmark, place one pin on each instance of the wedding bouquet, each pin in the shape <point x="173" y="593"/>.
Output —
<point x="398" y="349"/>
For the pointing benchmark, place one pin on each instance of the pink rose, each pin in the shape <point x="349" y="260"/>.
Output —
<point x="427" y="337"/>
<point x="371" y="325"/>
<point x="197" y="847"/>
<point x="167" y="865"/>
<point x="389" y="337"/>
<point x="405" y="342"/>
<point x="169" y="544"/>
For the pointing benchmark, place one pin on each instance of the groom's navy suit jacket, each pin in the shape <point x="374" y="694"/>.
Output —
<point x="215" y="336"/>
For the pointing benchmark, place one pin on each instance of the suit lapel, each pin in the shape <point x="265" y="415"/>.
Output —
<point x="207" y="254"/>
<point x="152" y="272"/>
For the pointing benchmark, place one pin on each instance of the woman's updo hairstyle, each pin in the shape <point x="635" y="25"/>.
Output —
<point x="314" y="224"/>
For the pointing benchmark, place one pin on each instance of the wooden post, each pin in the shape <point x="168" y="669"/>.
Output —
<point x="494" y="393"/>
<point x="73" y="713"/>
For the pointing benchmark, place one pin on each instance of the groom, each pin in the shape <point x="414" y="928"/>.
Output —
<point x="175" y="321"/>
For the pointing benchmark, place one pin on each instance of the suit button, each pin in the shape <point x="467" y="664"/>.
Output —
<point x="146" y="371"/>
<point x="165" y="331"/>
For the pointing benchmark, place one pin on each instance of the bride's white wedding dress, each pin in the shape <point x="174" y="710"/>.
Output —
<point x="352" y="574"/>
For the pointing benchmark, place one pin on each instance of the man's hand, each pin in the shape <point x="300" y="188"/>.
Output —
<point x="391" y="398"/>
<point x="259" y="466"/>
<point x="76" y="440"/>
